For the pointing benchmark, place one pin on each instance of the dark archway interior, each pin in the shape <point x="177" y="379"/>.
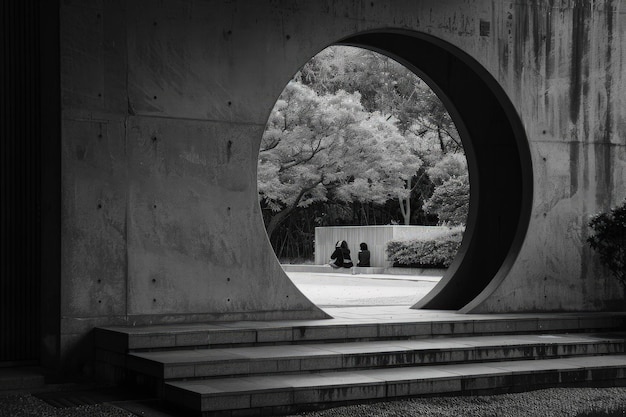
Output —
<point x="497" y="152"/>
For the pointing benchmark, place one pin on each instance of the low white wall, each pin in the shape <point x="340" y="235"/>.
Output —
<point x="376" y="238"/>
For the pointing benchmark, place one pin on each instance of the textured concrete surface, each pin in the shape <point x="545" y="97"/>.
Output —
<point x="568" y="85"/>
<point x="267" y="360"/>
<point x="356" y="357"/>
<point x="163" y="109"/>
<point x="325" y="388"/>
<point x="352" y="322"/>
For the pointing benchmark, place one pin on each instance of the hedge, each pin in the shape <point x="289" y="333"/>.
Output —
<point x="434" y="253"/>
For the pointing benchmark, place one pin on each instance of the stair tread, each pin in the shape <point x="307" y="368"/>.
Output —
<point x="348" y="348"/>
<point x="403" y="316"/>
<point x="368" y="324"/>
<point x="255" y="384"/>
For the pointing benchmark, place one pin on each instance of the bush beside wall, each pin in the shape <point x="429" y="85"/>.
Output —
<point x="432" y="253"/>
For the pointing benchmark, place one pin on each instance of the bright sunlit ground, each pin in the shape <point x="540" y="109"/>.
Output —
<point x="337" y="289"/>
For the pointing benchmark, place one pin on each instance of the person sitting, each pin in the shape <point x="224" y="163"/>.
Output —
<point x="364" y="255"/>
<point x="336" y="258"/>
<point x="347" y="262"/>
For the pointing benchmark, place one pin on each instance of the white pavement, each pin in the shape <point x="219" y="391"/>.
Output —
<point x="341" y="289"/>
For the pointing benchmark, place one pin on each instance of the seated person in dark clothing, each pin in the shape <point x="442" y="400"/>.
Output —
<point x="336" y="259"/>
<point x="347" y="262"/>
<point x="364" y="255"/>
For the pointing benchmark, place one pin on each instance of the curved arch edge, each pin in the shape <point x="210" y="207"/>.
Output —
<point x="498" y="155"/>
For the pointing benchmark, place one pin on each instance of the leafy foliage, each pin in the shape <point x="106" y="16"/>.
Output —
<point x="385" y="86"/>
<point x="609" y="240"/>
<point x="320" y="144"/>
<point x="353" y="134"/>
<point x="448" y="166"/>
<point x="438" y="252"/>
<point x="450" y="201"/>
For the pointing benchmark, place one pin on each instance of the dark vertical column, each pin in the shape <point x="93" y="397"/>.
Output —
<point x="22" y="178"/>
<point x="50" y="175"/>
<point x="20" y="225"/>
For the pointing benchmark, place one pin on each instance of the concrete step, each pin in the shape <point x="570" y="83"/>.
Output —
<point x="267" y="360"/>
<point x="412" y="325"/>
<point x="283" y="394"/>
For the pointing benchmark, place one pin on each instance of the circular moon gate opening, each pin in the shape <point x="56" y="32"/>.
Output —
<point x="499" y="162"/>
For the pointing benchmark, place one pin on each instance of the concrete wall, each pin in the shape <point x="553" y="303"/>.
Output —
<point x="164" y="104"/>
<point x="376" y="238"/>
<point x="568" y="82"/>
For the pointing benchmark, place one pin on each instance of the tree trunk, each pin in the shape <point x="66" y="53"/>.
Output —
<point x="405" y="209"/>
<point x="277" y="220"/>
<point x="440" y="137"/>
<point x="282" y="215"/>
<point x="405" y="204"/>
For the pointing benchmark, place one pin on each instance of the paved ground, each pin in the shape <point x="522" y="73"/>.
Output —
<point x="337" y="289"/>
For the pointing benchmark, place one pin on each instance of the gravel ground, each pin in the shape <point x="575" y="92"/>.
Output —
<point x="557" y="402"/>
<point x="25" y="405"/>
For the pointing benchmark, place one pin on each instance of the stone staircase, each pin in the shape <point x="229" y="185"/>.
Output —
<point x="281" y="367"/>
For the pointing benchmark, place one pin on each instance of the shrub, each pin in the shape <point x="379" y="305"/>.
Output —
<point x="434" y="253"/>
<point x="609" y="240"/>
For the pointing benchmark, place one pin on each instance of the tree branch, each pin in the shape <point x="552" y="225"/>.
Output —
<point x="271" y="146"/>
<point x="282" y="215"/>
<point x="314" y="151"/>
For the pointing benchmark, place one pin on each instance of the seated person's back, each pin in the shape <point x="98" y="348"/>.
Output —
<point x="364" y="255"/>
